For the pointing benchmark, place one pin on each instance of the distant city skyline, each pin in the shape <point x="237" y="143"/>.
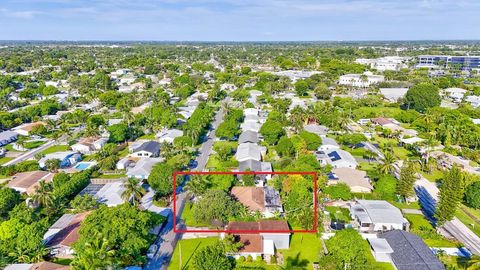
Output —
<point x="240" y="20"/>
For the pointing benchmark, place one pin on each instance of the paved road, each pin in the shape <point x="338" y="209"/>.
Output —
<point x="29" y="154"/>
<point x="427" y="193"/>
<point x="167" y="239"/>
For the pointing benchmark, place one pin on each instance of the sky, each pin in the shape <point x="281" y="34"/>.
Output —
<point x="240" y="20"/>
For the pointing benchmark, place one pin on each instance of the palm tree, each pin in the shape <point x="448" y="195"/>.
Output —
<point x="95" y="255"/>
<point x="387" y="164"/>
<point x="53" y="164"/>
<point x="197" y="185"/>
<point x="473" y="263"/>
<point x="133" y="191"/>
<point x="44" y="194"/>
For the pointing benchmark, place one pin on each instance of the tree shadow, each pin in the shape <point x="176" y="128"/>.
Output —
<point x="296" y="262"/>
<point x="184" y="267"/>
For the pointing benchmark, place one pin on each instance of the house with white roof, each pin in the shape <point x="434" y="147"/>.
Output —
<point x="247" y="151"/>
<point x="357" y="180"/>
<point x="168" y="135"/>
<point x="143" y="167"/>
<point x="455" y="93"/>
<point x="337" y="158"/>
<point x="361" y="80"/>
<point x="374" y="216"/>
<point x="67" y="158"/>
<point x="393" y="94"/>
<point x="7" y="137"/>
<point x="328" y="144"/>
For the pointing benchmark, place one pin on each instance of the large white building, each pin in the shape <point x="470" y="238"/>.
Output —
<point x="361" y="80"/>
<point x="385" y="63"/>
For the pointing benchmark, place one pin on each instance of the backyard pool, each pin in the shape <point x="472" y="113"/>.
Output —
<point x="84" y="165"/>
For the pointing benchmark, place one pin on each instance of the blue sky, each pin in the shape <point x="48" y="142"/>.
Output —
<point x="239" y="20"/>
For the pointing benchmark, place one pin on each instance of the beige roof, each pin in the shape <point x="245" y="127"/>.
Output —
<point x="29" y="180"/>
<point x="353" y="178"/>
<point x="252" y="197"/>
<point x="252" y="243"/>
<point x="48" y="266"/>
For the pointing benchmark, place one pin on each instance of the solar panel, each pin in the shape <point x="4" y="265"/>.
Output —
<point x="334" y="156"/>
<point x="91" y="189"/>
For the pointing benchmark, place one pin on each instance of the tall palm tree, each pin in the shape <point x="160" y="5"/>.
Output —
<point x="387" y="164"/>
<point x="133" y="191"/>
<point x="197" y="185"/>
<point x="44" y="194"/>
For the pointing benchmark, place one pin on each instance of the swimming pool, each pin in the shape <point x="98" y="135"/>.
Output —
<point x="84" y="165"/>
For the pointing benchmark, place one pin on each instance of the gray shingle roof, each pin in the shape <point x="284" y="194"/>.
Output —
<point x="248" y="136"/>
<point x="410" y="252"/>
<point x="251" y="164"/>
<point x="150" y="146"/>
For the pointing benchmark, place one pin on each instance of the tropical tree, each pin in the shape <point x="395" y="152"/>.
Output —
<point x="451" y="195"/>
<point x="53" y="164"/>
<point x="387" y="164"/>
<point x="197" y="185"/>
<point x="133" y="191"/>
<point x="96" y="254"/>
<point x="44" y="195"/>
<point x="407" y="180"/>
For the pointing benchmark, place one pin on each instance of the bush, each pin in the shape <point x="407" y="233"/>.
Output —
<point x="472" y="195"/>
<point x="249" y="258"/>
<point x="241" y="259"/>
<point x="273" y="259"/>
<point x="339" y="192"/>
<point x="312" y="140"/>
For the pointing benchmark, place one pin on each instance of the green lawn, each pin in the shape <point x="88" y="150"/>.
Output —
<point x="9" y="147"/>
<point x="187" y="216"/>
<point x="420" y="226"/>
<point x="4" y="160"/>
<point x="34" y="144"/>
<point x="55" y="148"/>
<point x="147" y="137"/>
<point x="434" y="176"/>
<point x="367" y="166"/>
<point x="411" y="205"/>
<point x="306" y="246"/>
<point x="338" y="213"/>
<point x="111" y="176"/>
<point x="188" y="247"/>
<point x="215" y="162"/>
<point x="464" y="214"/>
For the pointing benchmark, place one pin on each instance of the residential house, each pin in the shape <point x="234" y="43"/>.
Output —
<point x="145" y="149"/>
<point x="473" y="100"/>
<point x="26" y="129"/>
<point x="67" y="159"/>
<point x="250" y="112"/>
<point x="405" y="251"/>
<point x="260" y="238"/>
<point x="253" y="126"/>
<point x="328" y="144"/>
<point x="7" y="137"/>
<point x="37" y="266"/>
<point x="295" y="75"/>
<point x="394" y="63"/>
<point x="393" y="94"/>
<point x="456" y="94"/>
<point x="361" y="80"/>
<point x="384" y="122"/>
<point x="337" y="158"/>
<point x="248" y="136"/>
<point x="246" y="151"/>
<point x="89" y="145"/>
<point x="143" y="167"/>
<point x="27" y="182"/>
<point x="168" y="135"/>
<point x="357" y="180"/>
<point x="320" y="130"/>
<point x="265" y="200"/>
<point x="124" y="163"/>
<point x="63" y="234"/>
<point x="110" y="194"/>
<point x="377" y="216"/>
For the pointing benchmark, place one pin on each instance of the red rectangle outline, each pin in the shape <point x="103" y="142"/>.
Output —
<point x="315" y="214"/>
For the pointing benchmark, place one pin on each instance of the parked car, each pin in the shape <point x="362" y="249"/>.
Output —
<point x="151" y="251"/>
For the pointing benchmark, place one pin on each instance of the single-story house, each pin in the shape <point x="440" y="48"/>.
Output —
<point x="256" y="166"/>
<point x="25" y="129"/>
<point x="246" y="151"/>
<point x="168" y="135"/>
<point x="317" y="129"/>
<point x="393" y="94"/>
<point x="111" y="194"/>
<point x="357" y="180"/>
<point x="337" y="158"/>
<point x="145" y="149"/>
<point x="384" y="122"/>
<point x="250" y="112"/>
<point x="63" y="234"/>
<point x="248" y="136"/>
<point x="67" y="158"/>
<point x="37" y="266"/>
<point x="404" y="250"/>
<point x="360" y="80"/>
<point x="257" y="243"/>
<point x="456" y="94"/>
<point x="143" y="167"/>
<point x="7" y="137"/>
<point x="27" y="182"/>
<point x="114" y="121"/>
<point x="89" y="145"/>
<point x="328" y="144"/>
<point x="263" y="199"/>
<point x="253" y="126"/>
<point x="124" y="163"/>
<point x="377" y="216"/>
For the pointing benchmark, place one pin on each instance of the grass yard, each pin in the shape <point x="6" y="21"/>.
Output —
<point x="420" y="226"/>
<point x="112" y="176"/>
<point x="411" y="205"/>
<point x="215" y="162"/>
<point x="189" y="247"/>
<point x="371" y="112"/>
<point x="4" y="160"/>
<point x="147" y="137"/>
<point x="469" y="217"/>
<point x="34" y="144"/>
<point x="55" y="148"/>
<point x="368" y="166"/>
<point x="434" y="176"/>
<point x="187" y="216"/>
<point x="304" y="250"/>
<point x="338" y="213"/>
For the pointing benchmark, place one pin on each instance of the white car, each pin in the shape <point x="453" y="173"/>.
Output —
<point x="151" y="251"/>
